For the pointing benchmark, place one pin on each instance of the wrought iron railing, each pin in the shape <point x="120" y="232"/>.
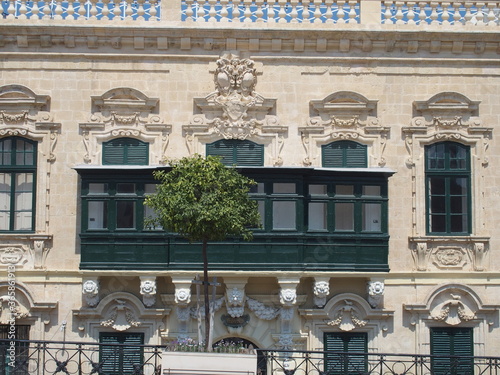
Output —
<point x="78" y="358"/>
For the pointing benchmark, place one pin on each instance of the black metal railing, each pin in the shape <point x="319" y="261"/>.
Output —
<point x="28" y="357"/>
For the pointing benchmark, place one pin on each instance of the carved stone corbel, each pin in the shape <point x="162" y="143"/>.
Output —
<point x="375" y="289"/>
<point x="148" y="290"/>
<point x="90" y="291"/>
<point x="321" y="290"/>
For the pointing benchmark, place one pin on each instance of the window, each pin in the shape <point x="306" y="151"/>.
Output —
<point x="115" y="205"/>
<point x="344" y="154"/>
<point x="345" y="206"/>
<point x="452" y="351"/>
<point x="235" y="152"/>
<point x="125" y="151"/>
<point x="22" y="332"/>
<point x="337" y="346"/>
<point x="448" y="187"/>
<point x="121" y="359"/>
<point x="17" y="184"/>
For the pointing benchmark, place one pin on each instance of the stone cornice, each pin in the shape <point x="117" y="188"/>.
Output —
<point x="341" y="40"/>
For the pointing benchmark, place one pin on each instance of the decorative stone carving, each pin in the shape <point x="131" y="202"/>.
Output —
<point x="183" y="296"/>
<point x="375" y="292"/>
<point x="321" y="290"/>
<point x="12" y="309"/>
<point x="344" y="115"/>
<point x="234" y="110"/>
<point x="288" y="297"/>
<point x="235" y="302"/>
<point x="90" y="291"/>
<point x="261" y="310"/>
<point x="121" y="317"/>
<point x="148" y="290"/>
<point x="214" y="307"/>
<point x="452" y="311"/>
<point x="347" y="317"/>
<point x="449" y="253"/>
<point x="12" y="255"/>
<point x="235" y="324"/>
<point x="285" y="341"/>
<point x="124" y="112"/>
<point x="183" y="313"/>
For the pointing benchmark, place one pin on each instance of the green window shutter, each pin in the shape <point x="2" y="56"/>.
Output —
<point x="344" y="154"/>
<point x="118" y="360"/>
<point x="125" y="151"/>
<point x="235" y="152"/>
<point x="446" y="342"/>
<point x="340" y="364"/>
<point x="222" y="148"/>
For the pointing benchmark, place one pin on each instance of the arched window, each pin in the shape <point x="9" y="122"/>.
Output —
<point x="344" y="154"/>
<point x="447" y="171"/>
<point x="236" y="152"/>
<point x="17" y="184"/>
<point x="125" y="151"/>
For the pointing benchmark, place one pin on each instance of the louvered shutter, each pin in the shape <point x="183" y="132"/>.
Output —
<point x="249" y="154"/>
<point x="119" y="360"/>
<point x="125" y="151"/>
<point x="235" y="152"/>
<point x="446" y="342"/>
<point x="223" y="148"/>
<point x="344" y="154"/>
<point x="340" y="364"/>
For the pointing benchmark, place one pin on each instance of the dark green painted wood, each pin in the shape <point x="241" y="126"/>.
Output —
<point x="339" y="347"/>
<point x="119" y="360"/>
<point x="344" y="154"/>
<point x="125" y="151"/>
<point x="236" y="152"/>
<point x="452" y="341"/>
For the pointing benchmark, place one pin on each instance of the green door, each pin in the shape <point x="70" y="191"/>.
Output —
<point x="121" y="359"/>
<point x="344" y="353"/>
<point x="452" y="351"/>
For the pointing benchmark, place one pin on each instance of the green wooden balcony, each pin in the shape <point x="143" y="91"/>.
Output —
<point x="293" y="252"/>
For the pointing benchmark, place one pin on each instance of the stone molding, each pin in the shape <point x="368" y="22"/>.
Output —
<point x="124" y="112"/>
<point x="344" y="115"/>
<point x="235" y="111"/>
<point x="353" y="39"/>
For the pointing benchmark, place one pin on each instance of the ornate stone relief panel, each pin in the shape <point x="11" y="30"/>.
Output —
<point x="26" y="114"/>
<point x="344" y="115"/>
<point x="124" y="112"/>
<point x="447" y="116"/>
<point x="235" y="111"/>
<point x="452" y="305"/>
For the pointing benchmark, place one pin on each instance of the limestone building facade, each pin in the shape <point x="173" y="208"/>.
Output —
<point x="370" y="127"/>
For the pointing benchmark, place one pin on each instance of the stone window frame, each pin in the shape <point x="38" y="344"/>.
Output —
<point x="359" y="316"/>
<point x="344" y="115"/>
<point x="435" y="312"/>
<point x="23" y="113"/>
<point x="30" y="312"/>
<point x="447" y="116"/>
<point x="120" y="113"/>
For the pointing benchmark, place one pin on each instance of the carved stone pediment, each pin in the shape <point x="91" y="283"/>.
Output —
<point x="124" y="112"/>
<point x="452" y="304"/>
<point x="235" y="110"/>
<point x="344" y="115"/>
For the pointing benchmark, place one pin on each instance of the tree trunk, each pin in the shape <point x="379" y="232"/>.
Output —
<point x="208" y="345"/>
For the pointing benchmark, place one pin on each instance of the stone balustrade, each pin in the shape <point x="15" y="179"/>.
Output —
<point x="305" y="12"/>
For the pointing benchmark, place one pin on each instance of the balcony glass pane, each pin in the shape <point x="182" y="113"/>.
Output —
<point x="344" y="216"/>
<point x="125" y="214"/>
<point x="284" y="215"/>
<point x="98" y="213"/>
<point x="372" y="217"/>
<point x="284" y="188"/>
<point x="317" y="216"/>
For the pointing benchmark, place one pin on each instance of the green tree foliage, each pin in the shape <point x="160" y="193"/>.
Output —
<point x="204" y="201"/>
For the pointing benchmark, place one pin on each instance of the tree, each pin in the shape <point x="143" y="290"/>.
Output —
<point x="203" y="200"/>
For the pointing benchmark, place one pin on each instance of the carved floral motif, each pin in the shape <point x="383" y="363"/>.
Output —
<point x="347" y="318"/>
<point x="453" y="311"/>
<point x="321" y="289"/>
<point x="90" y="291"/>
<point x="121" y="317"/>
